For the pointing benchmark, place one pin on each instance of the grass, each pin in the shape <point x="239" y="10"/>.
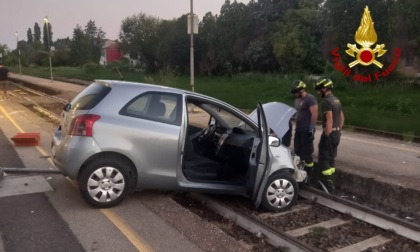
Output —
<point x="408" y="136"/>
<point x="392" y="107"/>
<point x="319" y="231"/>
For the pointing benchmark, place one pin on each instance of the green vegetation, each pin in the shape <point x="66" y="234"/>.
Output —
<point x="319" y="231"/>
<point x="260" y="36"/>
<point x="391" y="107"/>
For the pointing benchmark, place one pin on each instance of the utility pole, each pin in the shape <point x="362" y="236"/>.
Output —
<point x="192" y="46"/>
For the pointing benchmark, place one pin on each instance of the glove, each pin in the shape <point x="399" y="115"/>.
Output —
<point x="312" y="130"/>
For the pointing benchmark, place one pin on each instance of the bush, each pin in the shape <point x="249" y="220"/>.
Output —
<point x="91" y="68"/>
<point x="121" y="65"/>
<point x="41" y="58"/>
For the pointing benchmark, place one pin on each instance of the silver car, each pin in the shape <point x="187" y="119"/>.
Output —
<point x="117" y="136"/>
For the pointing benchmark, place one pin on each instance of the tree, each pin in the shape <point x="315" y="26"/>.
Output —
<point x="79" y="47"/>
<point x="22" y="51"/>
<point x="138" y="39"/>
<point x="209" y="37"/>
<point x="408" y="30"/>
<point x="37" y="33"/>
<point x="165" y="51"/>
<point x="173" y="46"/>
<point x="4" y="51"/>
<point x="260" y="56"/>
<point x="30" y="36"/>
<point x="233" y="29"/>
<point x="96" y="38"/>
<point x="296" y="41"/>
<point x="265" y="16"/>
<point x="61" y="55"/>
<point x="47" y="36"/>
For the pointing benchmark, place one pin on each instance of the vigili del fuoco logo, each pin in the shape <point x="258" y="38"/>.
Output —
<point x="364" y="55"/>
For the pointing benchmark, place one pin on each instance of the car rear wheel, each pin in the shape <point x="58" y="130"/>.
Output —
<point x="280" y="193"/>
<point x="105" y="182"/>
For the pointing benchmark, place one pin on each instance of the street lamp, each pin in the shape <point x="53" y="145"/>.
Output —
<point x="48" y="43"/>
<point x="17" y="47"/>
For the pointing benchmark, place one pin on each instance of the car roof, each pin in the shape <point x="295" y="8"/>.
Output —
<point x="152" y="87"/>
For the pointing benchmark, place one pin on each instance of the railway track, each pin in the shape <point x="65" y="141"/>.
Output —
<point x="48" y="106"/>
<point x="320" y="222"/>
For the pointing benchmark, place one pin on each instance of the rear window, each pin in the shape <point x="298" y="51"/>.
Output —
<point x="90" y="97"/>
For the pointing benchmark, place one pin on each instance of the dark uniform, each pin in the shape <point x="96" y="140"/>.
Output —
<point x="305" y="105"/>
<point x="328" y="144"/>
<point x="303" y="142"/>
<point x="332" y="116"/>
<point x="4" y="84"/>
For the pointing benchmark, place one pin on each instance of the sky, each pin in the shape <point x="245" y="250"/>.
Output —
<point x="20" y="15"/>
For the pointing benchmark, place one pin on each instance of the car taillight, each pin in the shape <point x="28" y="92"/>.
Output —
<point x="82" y="125"/>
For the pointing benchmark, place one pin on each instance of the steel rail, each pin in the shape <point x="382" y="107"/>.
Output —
<point x="363" y="213"/>
<point x="39" y="93"/>
<point x="46" y="112"/>
<point x="36" y="106"/>
<point x="255" y="226"/>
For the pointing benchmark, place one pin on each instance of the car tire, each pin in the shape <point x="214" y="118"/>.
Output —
<point x="280" y="192"/>
<point x="105" y="182"/>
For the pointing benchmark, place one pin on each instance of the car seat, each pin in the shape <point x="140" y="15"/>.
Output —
<point x="157" y="110"/>
<point x="196" y="166"/>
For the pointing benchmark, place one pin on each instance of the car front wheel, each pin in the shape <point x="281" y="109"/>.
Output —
<point x="105" y="182"/>
<point x="280" y="193"/>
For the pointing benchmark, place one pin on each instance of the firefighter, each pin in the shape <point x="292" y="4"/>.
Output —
<point x="306" y="117"/>
<point x="332" y="123"/>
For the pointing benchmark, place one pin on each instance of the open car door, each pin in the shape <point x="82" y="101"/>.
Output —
<point x="260" y="160"/>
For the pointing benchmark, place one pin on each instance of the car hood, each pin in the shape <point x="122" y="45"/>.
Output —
<point x="278" y="116"/>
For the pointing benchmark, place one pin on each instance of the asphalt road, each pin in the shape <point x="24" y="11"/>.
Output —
<point x="388" y="160"/>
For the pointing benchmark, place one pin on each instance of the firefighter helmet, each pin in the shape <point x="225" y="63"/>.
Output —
<point x="297" y="85"/>
<point x="323" y="82"/>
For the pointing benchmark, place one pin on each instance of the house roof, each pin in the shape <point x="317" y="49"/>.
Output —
<point x="110" y="44"/>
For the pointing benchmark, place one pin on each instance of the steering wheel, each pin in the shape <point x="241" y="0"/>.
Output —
<point x="207" y="132"/>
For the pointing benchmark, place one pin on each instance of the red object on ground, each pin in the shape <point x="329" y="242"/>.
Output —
<point x="26" y="139"/>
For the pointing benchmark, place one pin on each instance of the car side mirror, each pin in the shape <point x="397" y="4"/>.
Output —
<point x="274" y="141"/>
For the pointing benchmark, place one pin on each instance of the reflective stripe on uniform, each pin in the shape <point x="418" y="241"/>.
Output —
<point x="327" y="84"/>
<point x="310" y="165"/>
<point x="301" y="85"/>
<point x="328" y="172"/>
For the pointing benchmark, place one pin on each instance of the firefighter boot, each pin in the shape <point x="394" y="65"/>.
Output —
<point x="314" y="177"/>
<point x="329" y="183"/>
<point x="309" y="168"/>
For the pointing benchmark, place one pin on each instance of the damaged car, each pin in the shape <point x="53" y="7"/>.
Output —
<point x="116" y="137"/>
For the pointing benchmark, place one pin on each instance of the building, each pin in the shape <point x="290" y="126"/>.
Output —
<point x="110" y="52"/>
